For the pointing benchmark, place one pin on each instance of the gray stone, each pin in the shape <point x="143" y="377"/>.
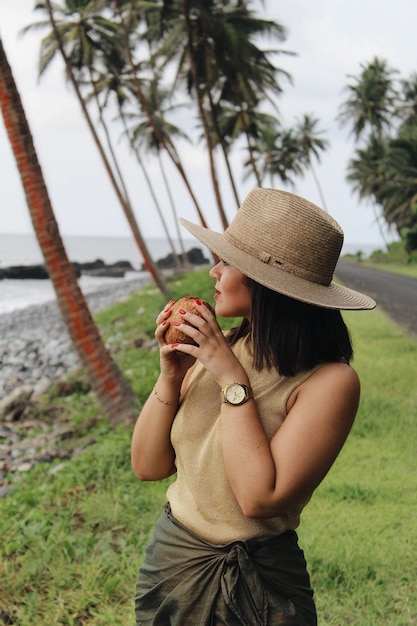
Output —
<point x="16" y="399"/>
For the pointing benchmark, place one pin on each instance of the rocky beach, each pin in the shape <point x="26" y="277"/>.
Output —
<point x="34" y="344"/>
<point x="35" y="350"/>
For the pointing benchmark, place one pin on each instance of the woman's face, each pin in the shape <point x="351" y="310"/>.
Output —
<point x="232" y="296"/>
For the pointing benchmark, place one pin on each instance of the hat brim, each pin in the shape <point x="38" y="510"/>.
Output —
<point x="333" y="296"/>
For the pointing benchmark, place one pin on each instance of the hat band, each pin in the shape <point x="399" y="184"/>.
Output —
<point x="286" y="266"/>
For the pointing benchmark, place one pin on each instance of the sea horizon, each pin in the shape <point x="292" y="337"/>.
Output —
<point x="23" y="249"/>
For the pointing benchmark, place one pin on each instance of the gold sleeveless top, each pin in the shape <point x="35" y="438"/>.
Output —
<point x="201" y="497"/>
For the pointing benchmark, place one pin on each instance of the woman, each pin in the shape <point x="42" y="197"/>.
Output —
<point x="250" y="421"/>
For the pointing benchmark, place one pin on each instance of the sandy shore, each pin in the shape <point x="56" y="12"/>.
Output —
<point x="34" y="343"/>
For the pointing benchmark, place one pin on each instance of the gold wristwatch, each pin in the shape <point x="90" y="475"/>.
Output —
<point x="235" y="394"/>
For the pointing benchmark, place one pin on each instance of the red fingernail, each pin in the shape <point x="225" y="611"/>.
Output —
<point x="163" y="323"/>
<point x="197" y="301"/>
<point x="182" y="312"/>
<point x="176" y="324"/>
<point x="174" y="345"/>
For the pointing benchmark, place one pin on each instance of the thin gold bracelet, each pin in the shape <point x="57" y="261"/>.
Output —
<point x="168" y="403"/>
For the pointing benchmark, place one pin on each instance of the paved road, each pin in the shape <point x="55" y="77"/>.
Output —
<point x="396" y="294"/>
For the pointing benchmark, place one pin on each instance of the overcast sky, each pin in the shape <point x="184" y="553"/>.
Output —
<point x="331" y="38"/>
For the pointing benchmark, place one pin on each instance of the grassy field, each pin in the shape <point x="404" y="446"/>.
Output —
<point x="72" y="535"/>
<point x="394" y="259"/>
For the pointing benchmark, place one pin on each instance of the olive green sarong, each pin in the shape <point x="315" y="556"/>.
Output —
<point x="186" y="581"/>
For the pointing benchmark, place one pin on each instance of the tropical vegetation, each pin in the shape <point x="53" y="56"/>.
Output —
<point x="381" y="111"/>
<point x="135" y="66"/>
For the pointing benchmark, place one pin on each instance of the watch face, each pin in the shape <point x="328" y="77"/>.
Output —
<point x="235" y="393"/>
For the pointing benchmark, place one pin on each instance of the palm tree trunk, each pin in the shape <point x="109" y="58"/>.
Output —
<point x="378" y="221"/>
<point x="224" y="150"/>
<point x="106" y="379"/>
<point x="170" y="149"/>
<point x="251" y="157"/>
<point x="151" y="191"/>
<point x="174" y="212"/>
<point x="320" y="190"/>
<point x="119" y="172"/>
<point x="203" y="118"/>
<point x="127" y="209"/>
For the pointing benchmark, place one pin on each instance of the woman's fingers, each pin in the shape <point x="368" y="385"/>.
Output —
<point x="165" y="313"/>
<point x="162" y="321"/>
<point x="160" y="331"/>
<point x="199" y="328"/>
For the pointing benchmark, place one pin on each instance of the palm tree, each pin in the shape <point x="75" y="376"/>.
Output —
<point x="264" y="150"/>
<point x="106" y="379"/>
<point x="366" y="171"/>
<point x="385" y="171"/>
<point x="112" y="83"/>
<point x="84" y="42"/>
<point x="407" y="108"/>
<point x="367" y="174"/>
<point x="311" y="144"/>
<point x="129" y="16"/>
<point x="246" y="76"/>
<point x="399" y="193"/>
<point x="142" y="136"/>
<point x="371" y="104"/>
<point x="278" y="154"/>
<point x="371" y="108"/>
<point x="219" y="62"/>
<point x="196" y="52"/>
<point x="235" y="122"/>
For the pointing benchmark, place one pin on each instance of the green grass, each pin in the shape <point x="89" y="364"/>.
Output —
<point x="71" y="542"/>
<point x="359" y="531"/>
<point x="394" y="259"/>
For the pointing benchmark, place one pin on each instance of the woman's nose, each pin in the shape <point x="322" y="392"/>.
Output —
<point x="214" y="271"/>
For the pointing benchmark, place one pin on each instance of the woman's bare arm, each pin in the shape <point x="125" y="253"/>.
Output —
<point x="152" y="455"/>
<point x="268" y="478"/>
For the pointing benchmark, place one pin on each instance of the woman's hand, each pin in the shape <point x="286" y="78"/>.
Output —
<point x="212" y="349"/>
<point x="174" y="364"/>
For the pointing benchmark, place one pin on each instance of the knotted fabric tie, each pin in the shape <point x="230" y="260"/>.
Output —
<point x="242" y="588"/>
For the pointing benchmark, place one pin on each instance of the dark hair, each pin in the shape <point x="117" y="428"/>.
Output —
<point x="290" y="335"/>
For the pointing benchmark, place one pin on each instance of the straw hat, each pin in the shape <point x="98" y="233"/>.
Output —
<point x="287" y="244"/>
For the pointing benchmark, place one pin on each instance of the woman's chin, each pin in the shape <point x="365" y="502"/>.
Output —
<point x="222" y="311"/>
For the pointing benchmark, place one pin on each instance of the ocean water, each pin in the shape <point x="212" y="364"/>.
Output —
<point x="24" y="250"/>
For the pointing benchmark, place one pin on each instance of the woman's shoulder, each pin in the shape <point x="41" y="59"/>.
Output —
<point x="335" y="371"/>
<point x="333" y="375"/>
<point x="328" y="381"/>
